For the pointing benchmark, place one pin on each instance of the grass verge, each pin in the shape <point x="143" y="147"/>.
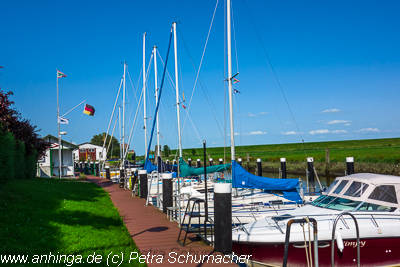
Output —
<point x="61" y="217"/>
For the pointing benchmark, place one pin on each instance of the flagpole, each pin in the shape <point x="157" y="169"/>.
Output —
<point x="59" y="135"/>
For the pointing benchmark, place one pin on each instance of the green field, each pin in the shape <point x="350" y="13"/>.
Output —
<point x="43" y="216"/>
<point x="371" y="150"/>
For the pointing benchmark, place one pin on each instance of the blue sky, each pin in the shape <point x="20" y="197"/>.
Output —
<point x="338" y="64"/>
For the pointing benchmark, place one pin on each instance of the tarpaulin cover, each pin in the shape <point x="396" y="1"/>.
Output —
<point x="149" y="167"/>
<point x="243" y="179"/>
<point x="186" y="170"/>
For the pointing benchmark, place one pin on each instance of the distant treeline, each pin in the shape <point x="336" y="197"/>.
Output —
<point x="20" y="145"/>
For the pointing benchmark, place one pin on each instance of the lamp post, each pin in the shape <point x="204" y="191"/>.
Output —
<point x="61" y="158"/>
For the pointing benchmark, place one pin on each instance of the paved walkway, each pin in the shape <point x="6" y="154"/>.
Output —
<point x="154" y="234"/>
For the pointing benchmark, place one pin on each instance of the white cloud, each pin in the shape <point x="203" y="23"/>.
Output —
<point x="290" y="133"/>
<point x="257" y="133"/>
<point x="330" y="110"/>
<point x="338" y="131"/>
<point x="326" y="131"/>
<point x="320" y="131"/>
<point x="262" y="113"/>
<point x="368" y="130"/>
<point x="347" y="123"/>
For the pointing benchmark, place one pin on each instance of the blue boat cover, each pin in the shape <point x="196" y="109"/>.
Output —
<point x="149" y="167"/>
<point x="243" y="179"/>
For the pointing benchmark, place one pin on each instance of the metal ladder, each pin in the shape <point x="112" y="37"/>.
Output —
<point x="333" y="238"/>
<point x="191" y="214"/>
<point x="315" y="230"/>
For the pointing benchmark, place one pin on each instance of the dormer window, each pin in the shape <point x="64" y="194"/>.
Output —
<point x="386" y="193"/>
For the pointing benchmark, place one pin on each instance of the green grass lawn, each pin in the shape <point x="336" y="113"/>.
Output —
<point x="39" y="216"/>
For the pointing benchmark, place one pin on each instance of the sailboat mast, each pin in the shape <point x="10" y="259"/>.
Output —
<point x="144" y="96"/>
<point x="120" y="134"/>
<point x="156" y="93"/>
<point x="177" y="91"/>
<point x="229" y="48"/>
<point x="123" y="117"/>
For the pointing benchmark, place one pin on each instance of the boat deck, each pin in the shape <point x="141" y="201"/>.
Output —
<point x="152" y="232"/>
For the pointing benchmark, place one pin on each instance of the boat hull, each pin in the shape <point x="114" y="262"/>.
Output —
<point x="374" y="252"/>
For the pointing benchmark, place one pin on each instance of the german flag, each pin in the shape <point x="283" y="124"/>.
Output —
<point x="89" y="110"/>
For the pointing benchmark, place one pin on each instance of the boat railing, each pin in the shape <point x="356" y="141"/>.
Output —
<point x="340" y="216"/>
<point x="287" y="238"/>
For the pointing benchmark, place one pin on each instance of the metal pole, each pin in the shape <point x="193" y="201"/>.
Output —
<point x="120" y="135"/>
<point x="123" y="118"/>
<point x="228" y="25"/>
<point x="177" y="114"/>
<point x="156" y="93"/>
<point x="144" y="96"/>
<point x="59" y="135"/>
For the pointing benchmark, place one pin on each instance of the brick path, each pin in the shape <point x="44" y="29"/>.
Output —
<point x="152" y="232"/>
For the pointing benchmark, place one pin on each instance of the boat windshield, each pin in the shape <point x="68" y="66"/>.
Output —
<point x="335" y="203"/>
<point x="338" y="203"/>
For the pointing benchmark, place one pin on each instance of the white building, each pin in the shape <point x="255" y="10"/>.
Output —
<point x="48" y="165"/>
<point x="89" y="152"/>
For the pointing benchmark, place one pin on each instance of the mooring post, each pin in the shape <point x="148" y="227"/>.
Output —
<point x="97" y="167"/>
<point x="190" y="162"/>
<point x="259" y="167"/>
<point x="240" y="161"/>
<point x="143" y="183"/>
<point x="283" y="168"/>
<point x="349" y="165"/>
<point x="223" y="217"/>
<point x="198" y="163"/>
<point x="108" y="175"/>
<point x="220" y="161"/>
<point x="310" y="174"/>
<point x="167" y="191"/>
<point x="92" y="169"/>
<point x="174" y="162"/>
<point x="168" y="167"/>
<point x="211" y="161"/>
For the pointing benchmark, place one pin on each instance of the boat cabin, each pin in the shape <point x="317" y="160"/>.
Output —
<point x="362" y="192"/>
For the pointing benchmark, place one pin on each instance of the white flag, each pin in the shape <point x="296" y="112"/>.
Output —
<point x="62" y="120"/>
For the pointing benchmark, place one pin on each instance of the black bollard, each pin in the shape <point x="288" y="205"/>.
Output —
<point x="168" y="166"/>
<point x="121" y="177"/>
<point x="166" y="190"/>
<point x="220" y="161"/>
<point x="223" y="217"/>
<point x="108" y="174"/>
<point x="190" y="162"/>
<point x="240" y="161"/>
<point x="259" y="167"/>
<point x="310" y="174"/>
<point x="211" y="161"/>
<point x="86" y="169"/>
<point x="198" y="163"/>
<point x="97" y="168"/>
<point x="143" y="183"/>
<point x="283" y="168"/>
<point x="349" y="165"/>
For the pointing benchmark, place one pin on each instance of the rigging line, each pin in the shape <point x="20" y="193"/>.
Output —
<point x="147" y="73"/>
<point x="158" y="102"/>
<point x="203" y="90"/>
<point x="181" y="100"/>
<point x="112" y="135"/>
<point x="225" y="84"/>
<point x="202" y="56"/>
<point x="134" y="121"/>
<point x="112" y="115"/>
<point x="187" y="109"/>
<point x="275" y="74"/>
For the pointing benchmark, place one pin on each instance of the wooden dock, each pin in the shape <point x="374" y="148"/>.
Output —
<point x="155" y="235"/>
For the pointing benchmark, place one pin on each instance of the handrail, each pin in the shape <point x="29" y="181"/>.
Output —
<point x="287" y="238"/>
<point x="333" y="237"/>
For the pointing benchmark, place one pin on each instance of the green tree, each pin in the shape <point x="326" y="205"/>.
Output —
<point x="166" y="150"/>
<point x="114" y="149"/>
<point x="193" y="152"/>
